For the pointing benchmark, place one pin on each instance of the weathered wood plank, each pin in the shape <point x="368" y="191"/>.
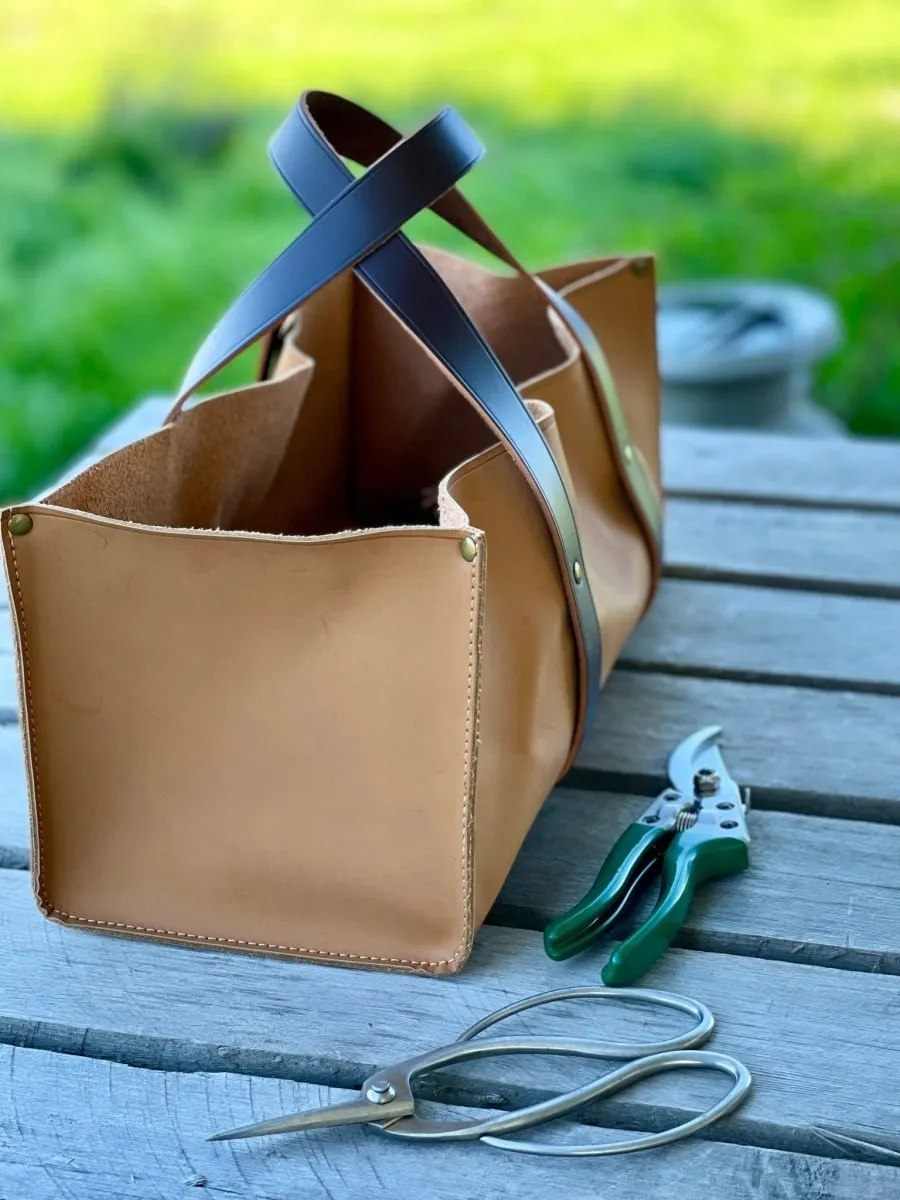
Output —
<point x="14" y="835"/>
<point x="729" y="631"/>
<point x="803" y="750"/>
<point x="848" y="472"/>
<point x="9" y="695"/>
<point x="770" y="635"/>
<point x="87" y="1130"/>
<point x="818" y="890"/>
<point x="818" y="549"/>
<point x="832" y="550"/>
<point x="823" y="1044"/>
<point x="830" y="753"/>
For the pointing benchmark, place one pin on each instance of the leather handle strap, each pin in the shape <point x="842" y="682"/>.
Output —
<point x="360" y="135"/>
<point x="312" y="167"/>
<point x="357" y="218"/>
<point x="356" y="223"/>
<point x="356" y="133"/>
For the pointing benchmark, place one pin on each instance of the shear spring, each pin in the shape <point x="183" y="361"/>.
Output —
<point x="686" y="819"/>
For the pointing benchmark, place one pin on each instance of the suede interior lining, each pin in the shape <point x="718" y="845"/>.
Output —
<point x="355" y="430"/>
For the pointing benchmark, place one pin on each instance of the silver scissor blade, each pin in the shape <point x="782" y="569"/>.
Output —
<point x="696" y="753"/>
<point x="354" y="1112"/>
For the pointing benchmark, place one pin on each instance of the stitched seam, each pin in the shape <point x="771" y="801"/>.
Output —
<point x="468" y="761"/>
<point x="29" y="706"/>
<point x="387" y="533"/>
<point x="468" y="773"/>
<point x="475" y="650"/>
<point x="202" y="937"/>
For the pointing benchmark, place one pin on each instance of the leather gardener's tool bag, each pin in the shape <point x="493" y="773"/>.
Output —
<point x="298" y="669"/>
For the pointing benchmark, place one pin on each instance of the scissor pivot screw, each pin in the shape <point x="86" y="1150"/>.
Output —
<point x="724" y="804"/>
<point x="729" y="824"/>
<point x="651" y="820"/>
<point x="706" y="782"/>
<point x="380" y="1093"/>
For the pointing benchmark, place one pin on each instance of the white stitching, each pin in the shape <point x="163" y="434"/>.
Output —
<point x="29" y="705"/>
<point x="468" y="770"/>
<point x="50" y="910"/>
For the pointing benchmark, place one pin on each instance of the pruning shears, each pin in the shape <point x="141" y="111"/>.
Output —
<point x="693" y="831"/>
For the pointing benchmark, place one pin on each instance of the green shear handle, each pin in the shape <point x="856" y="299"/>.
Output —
<point x="694" y="831"/>
<point x="633" y="859"/>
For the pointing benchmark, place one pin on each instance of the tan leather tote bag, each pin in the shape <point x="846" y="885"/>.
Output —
<point x="298" y="669"/>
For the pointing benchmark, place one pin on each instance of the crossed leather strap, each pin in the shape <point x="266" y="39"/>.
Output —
<point x="357" y="223"/>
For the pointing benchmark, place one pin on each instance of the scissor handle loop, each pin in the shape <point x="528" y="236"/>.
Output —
<point x="617" y="1050"/>
<point x="617" y="1081"/>
<point x="645" y="1060"/>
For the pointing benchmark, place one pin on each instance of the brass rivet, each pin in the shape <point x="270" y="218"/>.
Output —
<point x="640" y="266"/>
<point x="468" y="549"/>
<point x="577" y="571"/>
<point x="628" y="453"/>
<point x="20" y="524"/>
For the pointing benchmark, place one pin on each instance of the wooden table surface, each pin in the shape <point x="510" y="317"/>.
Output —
<point x="779" y="619"/>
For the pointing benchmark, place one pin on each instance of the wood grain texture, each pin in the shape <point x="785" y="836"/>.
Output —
<point x="818" y="549"/>
<point x="729" y="631"/>
<point x="805" y="750"/>
<point x="822" y="1044"/>
<point x="14" y="835"/>
<point x="818" y="890"/>
<point x="78" y="1129"/>
<point x="848" y="472"/>
<point x="770" y="635"/>
<point x="9" y="694"/>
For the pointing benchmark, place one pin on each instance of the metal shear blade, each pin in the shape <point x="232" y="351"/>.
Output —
<point x="693" y="831"/>
<point x="386" y="1100"/>
<point x="354" y="1112"/>
<point x="699" y="752"/>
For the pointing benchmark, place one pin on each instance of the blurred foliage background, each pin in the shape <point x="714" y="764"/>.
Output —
<point x="732" y="137"/>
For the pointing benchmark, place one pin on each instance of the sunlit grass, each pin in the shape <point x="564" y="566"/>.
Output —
<point x="755" y="138"/>
<point x="819" y="70"/>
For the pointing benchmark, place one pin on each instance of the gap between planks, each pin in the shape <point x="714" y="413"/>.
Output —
<point x="806" y="751"/>
<point x="834" y="908"/>
<point x="741" y="633"/>
<point x="164" y="1010"/>
<point x="94" y="1131"/>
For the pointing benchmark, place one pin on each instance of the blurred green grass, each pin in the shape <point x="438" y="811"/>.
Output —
<point x="135" y="199"/>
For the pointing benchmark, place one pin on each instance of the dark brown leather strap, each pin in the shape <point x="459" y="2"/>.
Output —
<point x="361" y="215"/>
<point x="363" y="137"/>
<point x="308" y="153"/>
<point x="356" y="223"/>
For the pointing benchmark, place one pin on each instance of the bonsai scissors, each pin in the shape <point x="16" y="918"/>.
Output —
<point x="386" y="1100"/>
<point x="693" y="831"/>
